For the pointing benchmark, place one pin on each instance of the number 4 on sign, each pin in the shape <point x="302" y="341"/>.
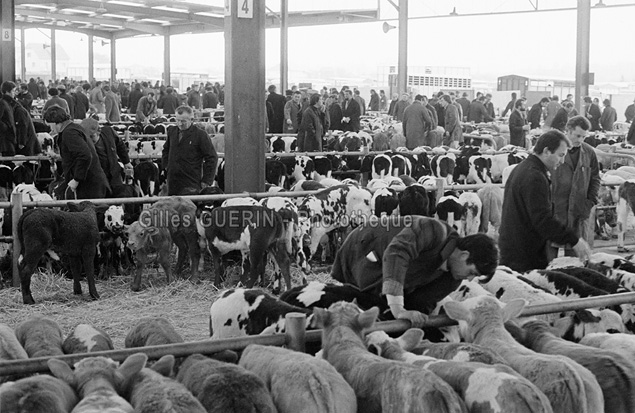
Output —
<point x="246" y="9"/>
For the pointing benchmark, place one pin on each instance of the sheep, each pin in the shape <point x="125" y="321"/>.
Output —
<point x="481" y="321"/>
<point x="40" y="336"/>
<point x="380" y="385"/>
<point x="41" y="393"/>
<point x="623" y="343"/>
<point x="73" y="233"/>
<point x="298" y="381"/>
<point x="152" y="391"/>
<point x="484" y="388"/>
<point x="86" y="339"/>
<point x="98" y="380"/>
<point x="152" y="331"/>
<point x="223" y="387"/>
<point x="614" y="372"/>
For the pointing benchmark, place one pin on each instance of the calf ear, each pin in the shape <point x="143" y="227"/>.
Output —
<point x="513" y="309"/>
<point x="61" y="370"/>
<point x="131" y="366"/>
<point x="320" y="317"/>
<point x="368" y="317"/>
<point x="457" y="311"/>
<point x="586" y="316"/>
<point x="164" y="365"/>
<point x="410" y="339"/>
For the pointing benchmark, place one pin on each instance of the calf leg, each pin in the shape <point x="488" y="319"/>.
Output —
<point x="76" y="271"/>
<point x="87" y="258"/>
<point x="164" y="260"/>
<point x="218" y="267"/>
<point x="622" y="217"/>
<point x="284" y="263"/>
<point x="194" y="251"/>
<point x="257" y="259"/>
<point x="26" y="268"/>
<point x="141" y="262"/>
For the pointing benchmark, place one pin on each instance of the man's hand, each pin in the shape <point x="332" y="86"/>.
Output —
<point x="72" y="184"/>
<point x="582" y="250"/>
<point x="416" y="318"/>
<point x="289" y="122"/>
<point x="525" y="127"/>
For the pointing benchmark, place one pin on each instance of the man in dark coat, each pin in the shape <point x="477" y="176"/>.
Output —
<point x="277" y="103"/>
<point x="576" y="183"/>
<point x="68" y="99"/>
<point x="7" y="129"/>
<point x="535" y="113"/>
<point x="351" y="112"/>
<point x="81" y="104"/>
<point x="412" y="261"/>
<point x="511" y="105"/>
<point x="34" y="90"/>
<point x="416" y="123"/>
<point x="26" y="142"/>
<point x="562" y="116"/>
<point x="528" y="223"/>
<point x="110" y="151"/>
<point x="25" y="98"/>
<point x="465" y="104"/>
<point x="477" y="112"/>
<point x="168" y="102"/>
<point x="210" y="100"/>
<point x="83" y="175"/>
<point x="311" y="128"/>
<point x="133" y="99"/>
<point x="518" y="124"/>
<point x="188" y="155"/>
<point x="593" y="113"/>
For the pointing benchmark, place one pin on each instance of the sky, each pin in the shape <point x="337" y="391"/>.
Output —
<point x="537" y="44"/>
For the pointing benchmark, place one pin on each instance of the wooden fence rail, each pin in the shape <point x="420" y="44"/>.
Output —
<point x="295" y="336"/>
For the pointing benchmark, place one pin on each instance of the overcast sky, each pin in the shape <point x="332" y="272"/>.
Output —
<point x="536" y="44"/>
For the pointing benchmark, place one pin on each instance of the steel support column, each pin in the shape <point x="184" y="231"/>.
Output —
<point x="113" y="60"/>
<point x="91" y="60"/>
<point x="284" y="46"/>
<point x="22" y="55"/>
<point x="582" y="52"/>
<point x="7" y="41"/>
<point x="402" y="68"/>
<point x="166" y="60"/>
<point x="245" y="96"/>
<point x="53" y="57"/>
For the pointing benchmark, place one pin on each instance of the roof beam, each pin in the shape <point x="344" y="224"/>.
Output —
<point x="145" y="11"/>
<point x="144" y="28"/>
<point x="98" y="33"/>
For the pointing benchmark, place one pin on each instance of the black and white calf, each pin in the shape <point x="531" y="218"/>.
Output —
<point x="335" y="207"/>
<point x="241" y="312"/>
<point x="252" y="229"/>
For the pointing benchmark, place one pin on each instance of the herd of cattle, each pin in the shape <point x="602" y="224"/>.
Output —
<point x="495" y="360"/>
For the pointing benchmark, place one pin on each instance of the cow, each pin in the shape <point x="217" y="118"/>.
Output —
<point x="146" y="243"/>
<point x="449" y="204"/>
<point x="283" y="144"/>
<point x="492" y="200"/>
<point x="443" y="166"/>
<point x="414" y="200"/>
<point x="275" y="172"/>
<point x="381" y="166"/>
<point x="625" y="206"/>
<point x="295" y="230"/>
<point x="335" y="207"/>
<point x="471" y="218"/>
<point x="240" y="312"/>
<point x="384" y="202"/>
<point x="251" y="229"/>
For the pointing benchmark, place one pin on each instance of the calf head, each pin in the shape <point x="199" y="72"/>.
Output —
<point x="114" y="219"/>
<point x="102" y="369"/>
<point x="140" y="237"/>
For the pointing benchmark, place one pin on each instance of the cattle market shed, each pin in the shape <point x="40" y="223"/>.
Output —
<point x="113" y="19"/>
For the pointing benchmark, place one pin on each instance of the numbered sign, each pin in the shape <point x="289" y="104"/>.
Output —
<point x="6" y="35"/>
<point x="246" y="9"/>
<point x="228" y="8"/>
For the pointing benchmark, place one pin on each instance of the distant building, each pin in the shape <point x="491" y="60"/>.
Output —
<point x="38" y="61"/>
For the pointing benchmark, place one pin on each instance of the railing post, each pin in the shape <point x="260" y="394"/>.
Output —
<point x="16" y="213"/>
<point x="440" y="185"/>
<point x="295" y="331"/>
